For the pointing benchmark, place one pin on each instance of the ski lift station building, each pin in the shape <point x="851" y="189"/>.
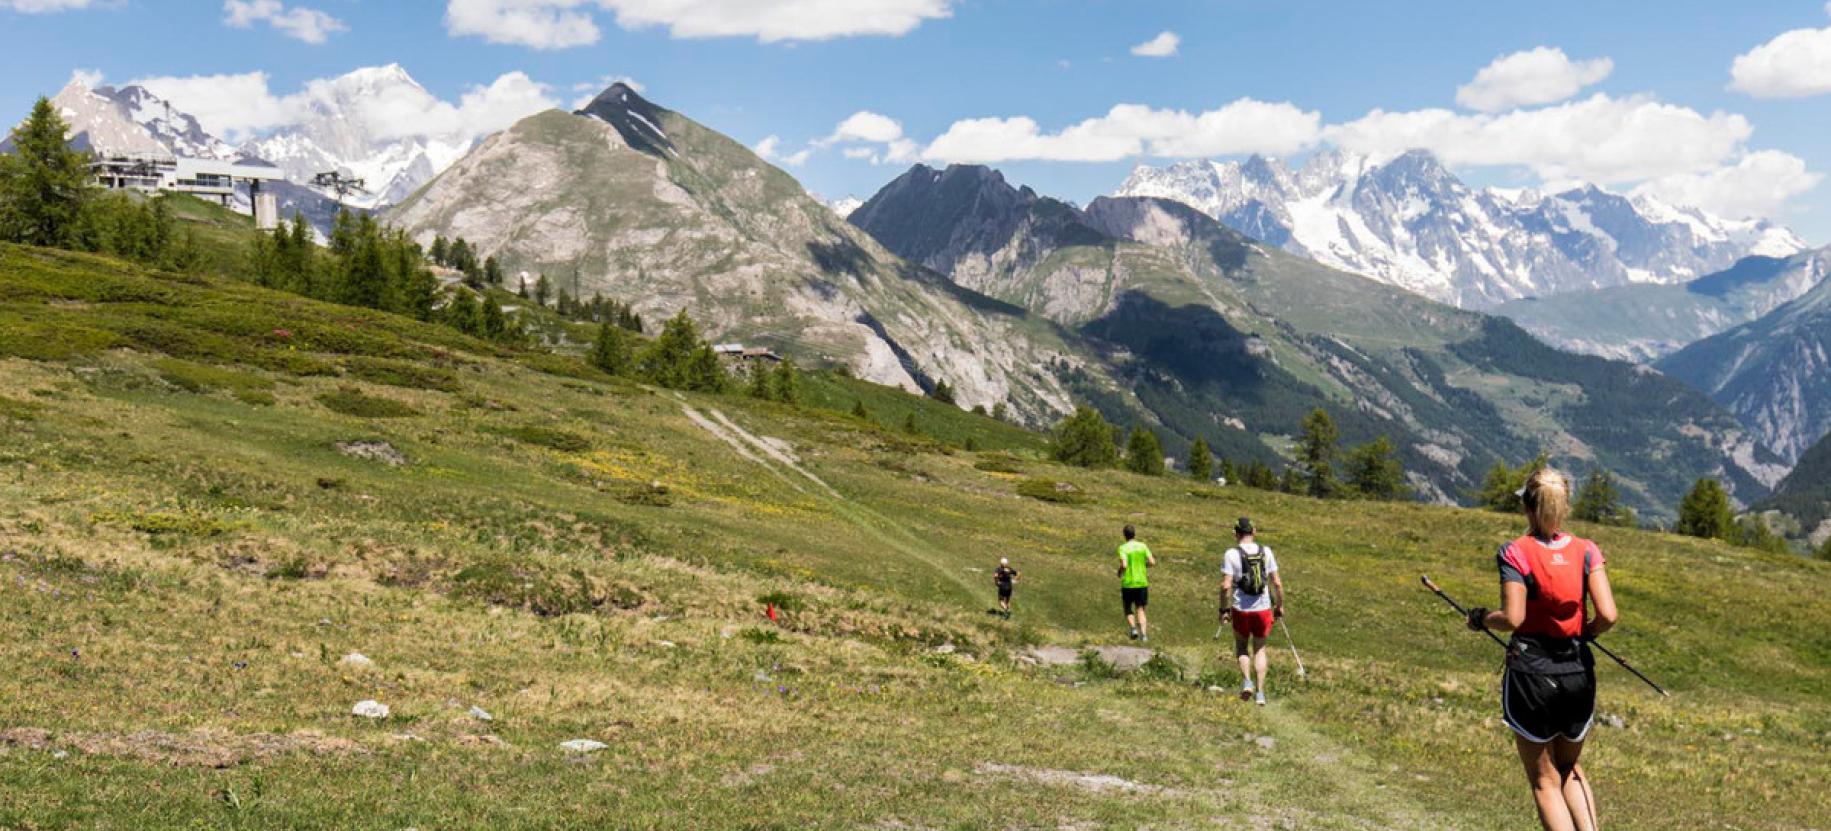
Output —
<point x="208" y="178"/>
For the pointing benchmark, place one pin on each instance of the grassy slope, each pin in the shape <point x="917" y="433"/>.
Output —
<point x="178" y="561"/>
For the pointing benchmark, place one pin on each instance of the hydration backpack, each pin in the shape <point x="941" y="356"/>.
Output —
<point x="1252" y="570"/>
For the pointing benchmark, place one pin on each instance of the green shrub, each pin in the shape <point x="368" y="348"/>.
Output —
<point x="354" y="402"/>
<point x="561" y="365"/>
<point x="184" y="522"/>
<point x="783" y="601"/>
<point x="653" y="495"/>
<point x="19" y="410"/>
<point x="1160" y="667"/>
<point x="761" y="637"/>
<point x="1050" y="490"/>
<point x="400" y="374"/>
<point x="551" y="438"/>
<point x="526" y="585"/>
<point x="257" y="398"/>
<point x="200" y="378"/>
<point x="998" y="463"/>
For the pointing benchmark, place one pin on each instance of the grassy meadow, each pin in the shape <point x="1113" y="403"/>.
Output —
<point x="212" y="495"/>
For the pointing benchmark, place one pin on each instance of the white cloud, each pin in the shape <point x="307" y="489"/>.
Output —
<point x="770" y="149"/>
<point x="560" y="24"/>
<point x="866" y="126"/>
<point x="858" y="152"/>
<point x="1162" y="46"/>
<point x="1244" y="126"/>
<point x="43" y="6"/>
<point x="1529" y="78"/>
<point x="309" y="25"/>
<point x="1757" y="185"/>
<point x="89" y="78"/>
<point x="1794" y="64"/>
<point x="236" y="106"/>
<point x="1599" y="139"/>
<point x="227" y="105"/>
<point x="541" y="24"/>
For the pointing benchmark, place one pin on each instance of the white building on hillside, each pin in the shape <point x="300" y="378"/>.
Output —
<point x="208" y="178"/>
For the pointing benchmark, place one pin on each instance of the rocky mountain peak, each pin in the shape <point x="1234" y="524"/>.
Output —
<point x="635" y="118"/>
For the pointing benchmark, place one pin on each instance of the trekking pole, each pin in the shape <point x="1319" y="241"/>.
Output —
<point x="1458" y="607"/>
<point x="1293" y="642"/>
<point x="1592" y="641"/>
<point x="1625" y="665"/>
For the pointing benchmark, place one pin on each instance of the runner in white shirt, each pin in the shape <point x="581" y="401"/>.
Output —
<point x="1252" y="596"/>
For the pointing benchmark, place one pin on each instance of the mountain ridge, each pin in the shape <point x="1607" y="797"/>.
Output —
<point x="1225" y="337"/>
<point x="1409" y="222"/>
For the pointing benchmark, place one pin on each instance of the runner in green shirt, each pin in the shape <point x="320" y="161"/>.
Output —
<point x="1134" y="588"/>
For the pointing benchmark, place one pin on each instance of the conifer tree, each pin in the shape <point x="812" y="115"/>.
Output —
<point x="1201" y="461"/>
<point x="942" y="392"/>
<point x="492" y="271"/>
<point x="762" y="383"/>
<point x="543" y="289"/>
<point x="462" y="314"/>
<point x="704" y="372"/>
<point x="787" y="383"/>
<point x="1705" y="512"/>
<point x="440" y="249"/>
<point x="1085" y="439"/>
<point x="611" y="351"/>
<point x="493" y="325"/>
<point x="1598" y="500"/>
<point x="43" y="183"/>
<point x="1316" y="453"/>
<point x="859" y="411"/>
<point x="1374" y="472"/>
<point x="1143" y="453"/>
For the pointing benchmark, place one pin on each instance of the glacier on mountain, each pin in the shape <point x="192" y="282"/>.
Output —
<point x="1410" y="222"/>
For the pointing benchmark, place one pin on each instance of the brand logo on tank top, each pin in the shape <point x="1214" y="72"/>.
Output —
<point x="1557" y="559"/>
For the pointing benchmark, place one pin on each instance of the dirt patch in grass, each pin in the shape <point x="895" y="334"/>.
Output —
<point x="202" y="748"/>
<point x="354" y="402"/>
<point x="1100" y="783"/>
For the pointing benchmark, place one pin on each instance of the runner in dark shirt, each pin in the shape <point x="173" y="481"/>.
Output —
<point x="1005" y="578"/>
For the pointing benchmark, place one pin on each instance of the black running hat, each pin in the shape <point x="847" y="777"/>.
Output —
<point x="1244" y="527"/>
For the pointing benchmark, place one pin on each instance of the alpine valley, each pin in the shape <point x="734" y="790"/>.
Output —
<point x="1223" y="337"/>
<point x="1155" y="312"/>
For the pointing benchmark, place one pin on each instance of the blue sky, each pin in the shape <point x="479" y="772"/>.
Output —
<point x="1635" y="95"/>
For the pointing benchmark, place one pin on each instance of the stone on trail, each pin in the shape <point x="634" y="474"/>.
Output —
<point x="1266" y="742"/>
<point x="1122" y="658"/>
<point x="356" y="659"/>
<point x="1616" y="721"/>
<point x="582" y="746"/>
<point x="370" y="708"/>
<point x="945" y="649"/>
<point x="480" y="714"/>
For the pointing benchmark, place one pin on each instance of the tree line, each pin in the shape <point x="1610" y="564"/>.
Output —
<point x="1369" y="471"/>
<point x="48" y="198"/>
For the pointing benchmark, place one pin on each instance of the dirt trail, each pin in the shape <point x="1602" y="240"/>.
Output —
<point x="767" y="454"/>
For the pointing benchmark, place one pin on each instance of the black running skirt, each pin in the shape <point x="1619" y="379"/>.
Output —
<point x="1543" y="707"/>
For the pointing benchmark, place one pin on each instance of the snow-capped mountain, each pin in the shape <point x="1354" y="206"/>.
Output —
<point x="844" y="206"/>
<point x="1409" y="222"/>
<point x="335" y="136"/>
<point x="98" y="122"/>
<point x="174" y="129"/>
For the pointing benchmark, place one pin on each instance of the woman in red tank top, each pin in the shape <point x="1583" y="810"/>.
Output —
<point x="1555" y="596"/>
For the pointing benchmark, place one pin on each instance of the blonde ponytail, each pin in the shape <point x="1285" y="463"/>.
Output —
<point x="1547" y="500"/>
